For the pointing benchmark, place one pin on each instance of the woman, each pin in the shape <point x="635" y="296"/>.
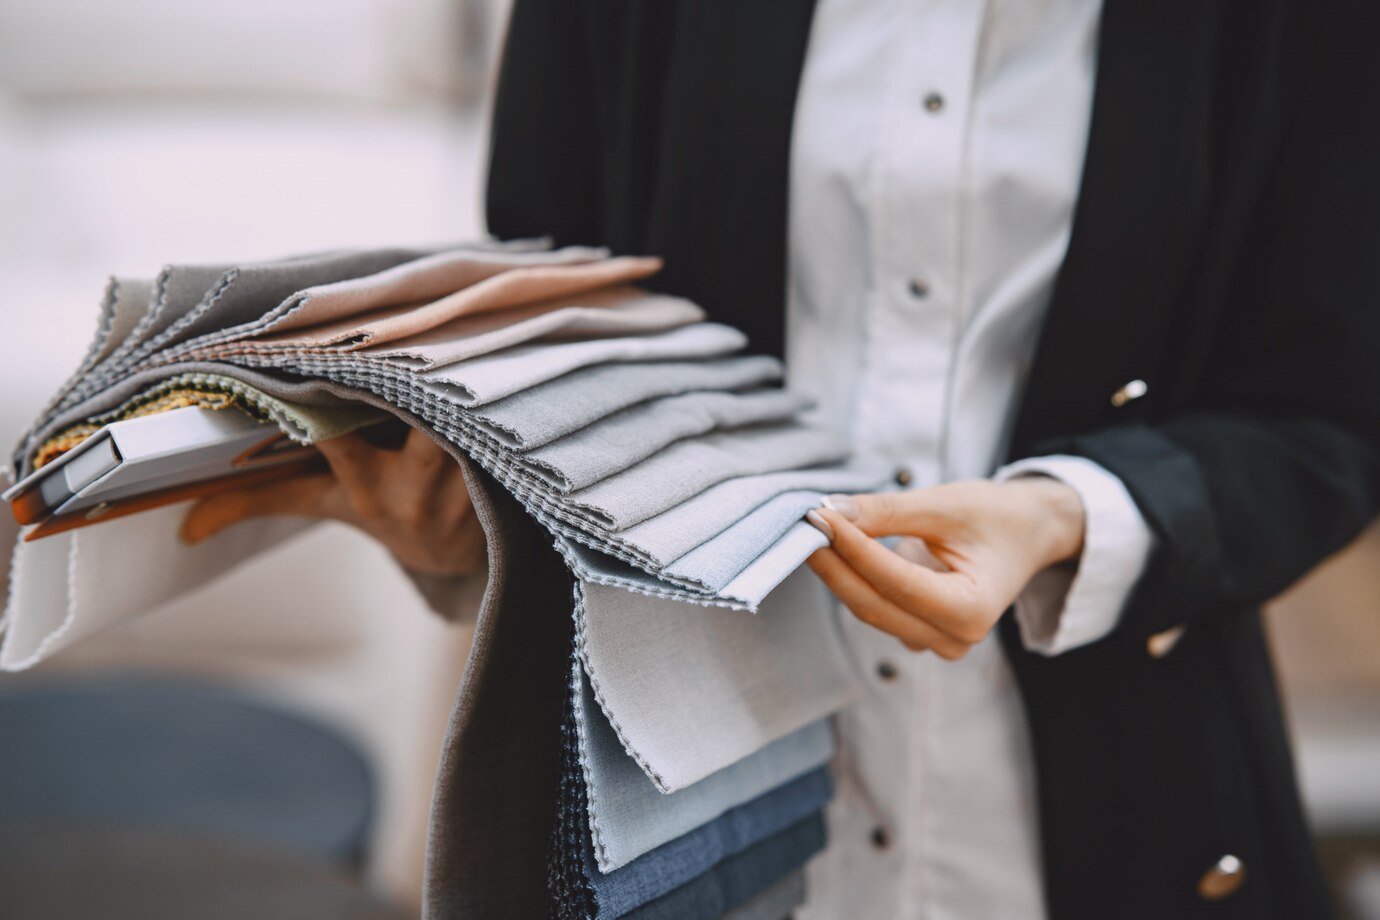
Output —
<point x="1132" y="246"/>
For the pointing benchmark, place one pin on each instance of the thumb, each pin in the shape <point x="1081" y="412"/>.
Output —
<point x="301" y="495"/>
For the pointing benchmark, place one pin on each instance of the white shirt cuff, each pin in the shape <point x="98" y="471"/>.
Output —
<point x="1072" y="605"/>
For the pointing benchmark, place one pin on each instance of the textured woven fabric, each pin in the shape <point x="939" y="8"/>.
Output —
<point x="485" y="379"/>
<point x="686" y="468"/>
<point x="485" y="849"/>
<point x="775" y="903"/>
<point x="611" y="456"/>
<point x="616" y="442"/>
<point x="189" y="300"/>
<point x="694" y="690"/>
<point x="516" y="287"/>
<point x="418" y="281"/>
<point x="667" y="537"/>
<point x="737" y="880"/>
<point x="716" y="562"/>
<point x="571" y="403"/>
<point x="684" y="859"/>
<point x="578" y="889"/>
<point x="629" y="817"/>
<point x="610" y="312"/>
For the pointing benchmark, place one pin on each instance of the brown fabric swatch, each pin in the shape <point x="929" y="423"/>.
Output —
<point x="496" y="784"/>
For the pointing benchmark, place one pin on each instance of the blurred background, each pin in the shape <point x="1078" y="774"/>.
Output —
<point x="144" y="132"/>
<point x="154" y="131"/>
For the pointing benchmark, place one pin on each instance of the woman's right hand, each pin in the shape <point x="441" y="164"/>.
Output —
<point x="413" y="500"/>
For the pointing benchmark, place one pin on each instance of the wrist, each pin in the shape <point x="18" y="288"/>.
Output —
<point x="1057" y="518"/>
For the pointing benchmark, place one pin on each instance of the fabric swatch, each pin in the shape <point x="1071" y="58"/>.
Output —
<point x="735" y="881"/>
<point x="692" y="690"/>
<point x="614" y="443"/>
<point x="610" y="312"/>
<point x="540" y="415"/>
<point x="491" y="377"/>
<point x="579" y="890"/>
<point x="629" y="817"/>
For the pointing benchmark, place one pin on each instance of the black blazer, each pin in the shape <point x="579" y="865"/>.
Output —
<point x="1225" y="250"/>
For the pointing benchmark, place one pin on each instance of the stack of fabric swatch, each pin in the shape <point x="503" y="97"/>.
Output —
<point x="621" y="436"/>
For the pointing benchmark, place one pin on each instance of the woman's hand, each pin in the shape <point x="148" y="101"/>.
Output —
<point x="412" y="500"/>
<point x="970" y="548"/>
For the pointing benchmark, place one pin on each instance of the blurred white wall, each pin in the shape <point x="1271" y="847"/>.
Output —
<point x="138" y="133"/>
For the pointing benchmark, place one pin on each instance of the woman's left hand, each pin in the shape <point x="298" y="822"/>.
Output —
<point x="968" y="549"/>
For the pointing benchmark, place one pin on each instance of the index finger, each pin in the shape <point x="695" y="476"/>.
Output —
<point x="351" y="460"/>
<point x="931" y="595"/>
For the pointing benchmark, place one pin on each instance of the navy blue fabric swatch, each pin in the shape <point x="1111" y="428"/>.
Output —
<point x="739" y="878"/>
<point x="680" y="861"/>
<point x="577" y="890"/>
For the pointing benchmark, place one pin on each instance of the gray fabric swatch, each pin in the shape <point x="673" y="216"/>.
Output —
<point x="126" y="302"/>
<point x="616" y="442"/>
<point x="483" y="380"/>
<point x="686" y="468"/>
<point x="776" y="903"/>
<point x="666" y="537"/>
<point x="246" y="290"/>
<point x="194" y="299"/>
<point x="692" y="690"/>
<point x="538" y="416"/>
<point x="629" y="817"/>
<point x="485" y="855"/>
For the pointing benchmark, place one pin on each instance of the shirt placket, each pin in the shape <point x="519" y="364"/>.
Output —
<point x="915" y="312"/>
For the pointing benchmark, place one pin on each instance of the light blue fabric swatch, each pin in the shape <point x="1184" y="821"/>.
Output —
<point x="667" y="537"/>
<point x="680" y="861"/>
<point x="686" y="468"/>
<point x="717" y="561"/>
<point x="630" y="818"/>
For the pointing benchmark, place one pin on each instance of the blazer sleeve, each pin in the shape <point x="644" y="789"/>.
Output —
<point x="1276" y="464"/>
<point x="544" y="153"/>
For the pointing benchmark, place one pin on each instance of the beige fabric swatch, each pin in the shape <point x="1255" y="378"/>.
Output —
<point x="616" y="311"/>
<point x="418" y="281"/>
<point x="515" y="287"/>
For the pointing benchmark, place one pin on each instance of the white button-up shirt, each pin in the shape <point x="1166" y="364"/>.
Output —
<point x="937" y="154"/>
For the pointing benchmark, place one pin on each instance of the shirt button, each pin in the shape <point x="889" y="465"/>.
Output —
<point x="934" y="103"/>
<point x="886" y="670"/>
<point x="1223" y="879"/>
<point x="903" y="476"/>
<point x="881" y="838"/>
<point x="918" y="289"/>
<point x="1131" y="391"/>
<point x="1162" y="643"/>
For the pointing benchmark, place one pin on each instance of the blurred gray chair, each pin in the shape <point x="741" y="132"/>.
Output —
<point x="139" y="787"/>
<point x="76" y="873"/>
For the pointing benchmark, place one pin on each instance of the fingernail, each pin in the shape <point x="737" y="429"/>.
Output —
<point x="844" y="505"/>
<point x="820" y="524"/>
